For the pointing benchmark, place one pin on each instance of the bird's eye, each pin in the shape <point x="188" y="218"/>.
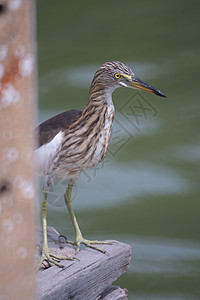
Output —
<point x="117" y="75"/>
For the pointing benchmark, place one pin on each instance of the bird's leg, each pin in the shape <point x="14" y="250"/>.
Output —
<point x="47" y="255"/>
<point x="79" y="238"/>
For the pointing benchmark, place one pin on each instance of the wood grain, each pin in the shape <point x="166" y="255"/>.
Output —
<point x="87" y="278"/>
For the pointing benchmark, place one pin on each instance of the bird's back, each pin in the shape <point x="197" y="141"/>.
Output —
<point x="47" y="130"/>
<point x="49" y="136"/>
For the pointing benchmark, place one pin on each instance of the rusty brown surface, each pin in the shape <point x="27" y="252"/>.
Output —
<point x="17" y="183"/>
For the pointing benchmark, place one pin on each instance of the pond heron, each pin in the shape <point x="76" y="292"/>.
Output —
<point x="75" y="140"/>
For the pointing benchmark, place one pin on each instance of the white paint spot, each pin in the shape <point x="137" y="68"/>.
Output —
<point x="26" y="65"/>
<point x="14" y="4"/>
<point x="28" y="190"/>
<point x="18" y="218"/>
<point x="9" y="96"/>
<point x="19" y="51"/>
<point x="22" y="252"/>
<point x="26" y="187"/>
<point x="7" y="226"/>
<point x="10" y="154"/>
<point x="3" y="52"/>
<point x="1" y="71"/>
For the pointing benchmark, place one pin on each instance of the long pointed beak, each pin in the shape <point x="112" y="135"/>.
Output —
<point x="138" y="84"/>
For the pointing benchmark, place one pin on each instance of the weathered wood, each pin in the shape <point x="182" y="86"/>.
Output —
<point x="87" y="278"/>
<point x="114" y="293"/>
<point x="17" y="180"/>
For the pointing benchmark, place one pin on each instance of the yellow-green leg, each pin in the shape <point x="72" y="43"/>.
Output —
<point x="47" y="256"/>
<point x="79" y="238"/>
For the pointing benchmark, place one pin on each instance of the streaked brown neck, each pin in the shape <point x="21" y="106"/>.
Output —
<point x="99" y="108"/>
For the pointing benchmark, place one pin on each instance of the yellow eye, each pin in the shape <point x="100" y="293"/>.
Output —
<point x="117" y="75"/>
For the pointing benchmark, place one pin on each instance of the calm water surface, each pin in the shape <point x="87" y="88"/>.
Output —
<point x="146" y="192"/>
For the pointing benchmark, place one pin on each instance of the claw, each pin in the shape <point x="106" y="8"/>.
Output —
<point x="51" y="259"/>
<point x="80" y="240"/>
<point x="89" y="244"/>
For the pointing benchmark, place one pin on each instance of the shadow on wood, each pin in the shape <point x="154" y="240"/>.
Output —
<point x="89" y="278"/>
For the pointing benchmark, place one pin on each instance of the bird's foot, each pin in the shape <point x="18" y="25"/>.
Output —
<point x="48" y="259"/>
<point x="90" y="244"/>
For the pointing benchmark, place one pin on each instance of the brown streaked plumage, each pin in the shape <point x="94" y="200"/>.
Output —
<point x="74" y="141"/>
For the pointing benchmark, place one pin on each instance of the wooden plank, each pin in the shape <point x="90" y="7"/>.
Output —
<point x="87" y="278"/>
<point x="17" y="183"/>
<point x="114" y="293"/>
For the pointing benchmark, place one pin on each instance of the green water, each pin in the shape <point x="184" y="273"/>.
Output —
<point x="146" y="192"/>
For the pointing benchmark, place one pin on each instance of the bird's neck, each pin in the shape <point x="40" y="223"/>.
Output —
<point x="98" y="111"/>
<point x="101" y="95"/>
<point x="99" y="101"/>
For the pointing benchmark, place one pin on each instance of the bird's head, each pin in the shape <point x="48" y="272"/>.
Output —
<point x="115" y="74"/>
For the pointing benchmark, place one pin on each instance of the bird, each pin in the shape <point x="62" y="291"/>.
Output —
<point x="73" y="141"/>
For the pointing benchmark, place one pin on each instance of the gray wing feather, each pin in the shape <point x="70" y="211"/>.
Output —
<point x="47" y="130"/>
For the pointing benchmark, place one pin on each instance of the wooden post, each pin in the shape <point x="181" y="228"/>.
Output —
<point x="17" y="184"/>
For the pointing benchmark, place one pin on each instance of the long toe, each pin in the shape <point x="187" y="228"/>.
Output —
<point x="48" y="259"/>
<point x="90" y="244"/>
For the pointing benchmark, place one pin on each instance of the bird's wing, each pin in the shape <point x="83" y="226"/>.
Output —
<point x="47" y="130"/>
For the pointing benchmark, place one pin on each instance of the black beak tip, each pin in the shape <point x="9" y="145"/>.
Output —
<point x="159" y="93"/>
<point x="163" y="96"/>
